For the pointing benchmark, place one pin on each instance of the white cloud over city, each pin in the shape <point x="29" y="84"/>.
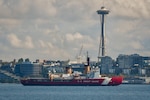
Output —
<point x="56" y="29"/>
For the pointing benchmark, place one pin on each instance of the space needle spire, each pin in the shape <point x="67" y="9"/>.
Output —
<point x="102" y="12"/>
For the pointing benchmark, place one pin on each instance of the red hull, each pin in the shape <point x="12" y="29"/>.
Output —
<point x="74" y="82"/>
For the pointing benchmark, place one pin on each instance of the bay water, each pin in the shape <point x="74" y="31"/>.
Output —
<point x="121" y="92"/>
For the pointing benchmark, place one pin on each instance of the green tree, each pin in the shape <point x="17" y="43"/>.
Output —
<point x="27" y="60"/>
<point x="20" y="60"/>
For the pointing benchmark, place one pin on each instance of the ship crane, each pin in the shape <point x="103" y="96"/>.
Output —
<point x="79" y="57"/>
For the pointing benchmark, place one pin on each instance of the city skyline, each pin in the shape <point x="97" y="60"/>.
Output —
<point x="54" y="29"/>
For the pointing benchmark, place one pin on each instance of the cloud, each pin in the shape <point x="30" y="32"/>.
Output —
<point x="129" y="9"/>
<point x="77" y="39"/>
<point x="14" y="40"/>
<point x="27" y="9"/>
<point x="52" y="51"/>
<point x="18" y="43"/>
<point x="136" y="45"/>
<point x="57" y="28"/>
<point x="42" y="44"/>
<point x="28" y="42"/>
<point x="73" y="37"/>
<point x="50" y="45"/>
<point x="54" y="29"/>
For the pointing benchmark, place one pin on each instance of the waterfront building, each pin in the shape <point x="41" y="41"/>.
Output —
<point x="124" y="61"/>
<point x="28" y="69"/>
<point x="142" y="71"/>
<point x="126" y="71"/>
<point x="111" y="70"/>
<point x="133" y="64"/>
<point x="106" y="64"/>
<point x="1" y="61"/>
<point x="129" y="61"/>
<point x="146" y="61"/>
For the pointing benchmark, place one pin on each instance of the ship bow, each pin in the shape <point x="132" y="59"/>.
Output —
<point x="116" y="80"/>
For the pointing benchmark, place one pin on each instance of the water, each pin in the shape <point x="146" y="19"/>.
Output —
<point x="122" y="92"/>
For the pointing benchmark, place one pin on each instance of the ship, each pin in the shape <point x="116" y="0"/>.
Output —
<point x="102" y="81"/>
<point x="90" y="77"/>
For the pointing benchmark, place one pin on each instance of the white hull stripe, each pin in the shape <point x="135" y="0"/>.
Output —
<point x="106" y="81"/>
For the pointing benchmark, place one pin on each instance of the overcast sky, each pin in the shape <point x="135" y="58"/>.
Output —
<point x="57" y="29"/>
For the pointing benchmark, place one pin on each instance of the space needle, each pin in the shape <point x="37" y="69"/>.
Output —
<point x="102" y="12"/>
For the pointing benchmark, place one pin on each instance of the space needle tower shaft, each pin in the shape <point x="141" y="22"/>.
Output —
<point x="102" y="12"/>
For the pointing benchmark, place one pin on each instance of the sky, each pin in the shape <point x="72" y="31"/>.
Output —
<point x="58" y="29"/>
